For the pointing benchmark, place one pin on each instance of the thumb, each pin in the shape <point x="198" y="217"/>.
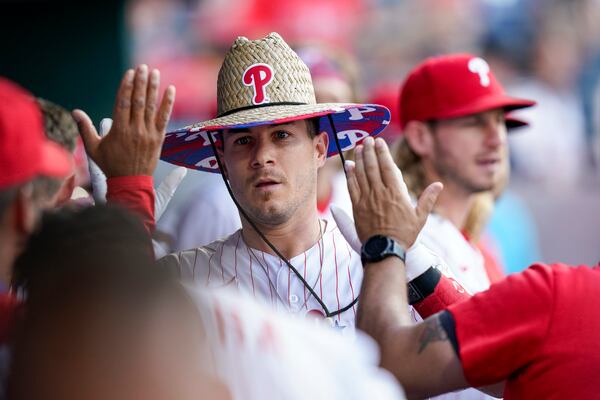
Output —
<point x="88" y="133"/>
<point x="346" y="227"/>
<point x="427" y="200"/>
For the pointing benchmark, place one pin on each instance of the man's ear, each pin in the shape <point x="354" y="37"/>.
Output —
<point x="419" y="137"/>
<point x="321" y="142"/>
<point x="26" y="213"/>
<point x="65" y="192"/>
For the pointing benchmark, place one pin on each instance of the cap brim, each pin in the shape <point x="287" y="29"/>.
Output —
<point x="55" y="161"/>
<point x="505" y="102"/>
<point x="190" y="146"/>
<point x="514" y="123"/>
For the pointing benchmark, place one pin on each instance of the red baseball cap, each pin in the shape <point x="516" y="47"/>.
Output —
<point x="25" y="152"/>
<point x="454" y="86"/>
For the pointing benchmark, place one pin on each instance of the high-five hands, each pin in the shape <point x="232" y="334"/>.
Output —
<point x="380" y="200"/>
<point x="132" y="146"/>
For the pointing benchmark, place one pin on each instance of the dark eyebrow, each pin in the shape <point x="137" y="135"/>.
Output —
<point x="247" y="130"/>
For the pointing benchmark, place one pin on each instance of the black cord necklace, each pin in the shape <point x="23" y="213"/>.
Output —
<point x="328" y="313"/>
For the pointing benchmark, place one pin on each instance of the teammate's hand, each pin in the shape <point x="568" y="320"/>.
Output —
<point x="132" y="146"/>
<point x="380" y="201"/>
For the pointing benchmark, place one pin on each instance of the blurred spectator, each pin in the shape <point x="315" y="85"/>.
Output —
<point x="552" y="151"/>
<point x="30" y="164"/>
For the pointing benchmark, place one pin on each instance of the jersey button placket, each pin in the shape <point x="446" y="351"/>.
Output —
<point x="285" y="280"/>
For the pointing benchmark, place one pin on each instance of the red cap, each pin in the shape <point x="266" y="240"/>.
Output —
<point x="453" y="86"/>
<point x="25" y="152"/>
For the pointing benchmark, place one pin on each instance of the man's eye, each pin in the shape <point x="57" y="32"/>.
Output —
<point x="243" y="140"/>
<point x="281" y="134"/>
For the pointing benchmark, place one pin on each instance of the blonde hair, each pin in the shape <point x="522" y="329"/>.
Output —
<point x="483" y="205"/>
<point x="410" y="164"/>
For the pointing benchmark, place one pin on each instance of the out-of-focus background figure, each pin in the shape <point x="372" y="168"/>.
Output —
<point x="548" y="51"/>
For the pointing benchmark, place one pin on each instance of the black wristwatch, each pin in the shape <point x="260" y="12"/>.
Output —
<point x="378" y="247"/>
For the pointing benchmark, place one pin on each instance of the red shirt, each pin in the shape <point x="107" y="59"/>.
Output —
<point x="538" y="330"/>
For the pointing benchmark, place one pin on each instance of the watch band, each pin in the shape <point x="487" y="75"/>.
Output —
<point x="423" y="285"/>
<point x="392" y="249"/>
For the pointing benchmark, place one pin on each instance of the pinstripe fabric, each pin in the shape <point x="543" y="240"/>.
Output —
<point x="333" y="270"/>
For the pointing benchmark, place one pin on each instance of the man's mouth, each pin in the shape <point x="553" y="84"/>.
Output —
<point x="266" y="183"/>
<point x="488" y="161"/>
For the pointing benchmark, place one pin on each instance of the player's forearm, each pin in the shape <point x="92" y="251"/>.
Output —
<point x="383" y="306"/>
<point x="419" y="356"/>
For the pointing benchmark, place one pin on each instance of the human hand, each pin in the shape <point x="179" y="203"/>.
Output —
<point x="380" y="201"/>
<point x="132" y="146"/>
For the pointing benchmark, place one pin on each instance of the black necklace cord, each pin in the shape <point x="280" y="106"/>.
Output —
<point x="263" y="237"/>
<point x="337" y="144"/>
<point x="339" y="149"/>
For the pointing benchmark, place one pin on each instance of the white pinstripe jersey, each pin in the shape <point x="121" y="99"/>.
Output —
<point x="330" y="267"/>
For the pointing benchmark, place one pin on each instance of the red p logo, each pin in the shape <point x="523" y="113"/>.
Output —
<point x="258" y="76"/>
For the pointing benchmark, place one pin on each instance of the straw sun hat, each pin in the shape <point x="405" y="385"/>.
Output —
<point x="264" y="82"/>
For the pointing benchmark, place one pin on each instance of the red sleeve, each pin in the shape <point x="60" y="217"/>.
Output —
<point x="502" y="329"/>
<point x="135" y="193"/>
<point x="446" y="292"/>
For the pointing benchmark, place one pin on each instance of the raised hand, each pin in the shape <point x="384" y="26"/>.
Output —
<point x="132" y="146"/>
<point x="380" y="200"/>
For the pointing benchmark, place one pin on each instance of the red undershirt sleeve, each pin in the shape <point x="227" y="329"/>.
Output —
<point x="135" y="193"/>
<point x="502" y="329"/>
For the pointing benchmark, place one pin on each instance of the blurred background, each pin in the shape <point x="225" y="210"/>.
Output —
<point x="546" y="50"/>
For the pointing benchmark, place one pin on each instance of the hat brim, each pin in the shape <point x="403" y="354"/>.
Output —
<point x="505" y="102"/>
<point x="55" y="161"/>
<point x="190" y="146"/>
<point x="514" y="123"/>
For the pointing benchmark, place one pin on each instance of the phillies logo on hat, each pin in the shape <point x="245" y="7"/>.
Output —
<point x="480" y="67"/>
<point x="258" y="76"/>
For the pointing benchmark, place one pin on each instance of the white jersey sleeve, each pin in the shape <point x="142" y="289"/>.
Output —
<point x="464" y="261"/>
<point x="261" y="354"/>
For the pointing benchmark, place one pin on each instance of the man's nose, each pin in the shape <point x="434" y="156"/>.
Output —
<point x="263" y="154"/>
<point x="495" y="133"/>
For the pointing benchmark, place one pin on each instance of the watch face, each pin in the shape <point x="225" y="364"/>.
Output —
<point x="376" y="245"/>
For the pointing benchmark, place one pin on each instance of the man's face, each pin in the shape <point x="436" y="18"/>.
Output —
<point x="470" y="151"/>
<point x="273" y="169"/>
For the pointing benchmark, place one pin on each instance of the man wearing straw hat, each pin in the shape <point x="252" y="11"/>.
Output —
<point x="268" y="142"/>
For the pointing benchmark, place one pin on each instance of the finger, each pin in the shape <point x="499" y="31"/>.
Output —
<point x="88" y="133"/>
<point x="165" y="109"/>
<point x="389" y="171"/>
<point x="427" y="201"/>
<point x="353" y="187"/>
<point x="152" y="96"/>
<point x="391" y="175"/>
<point x="371" y="163"/>
<point x="138" y="98"/>
<point x="122" y="110"/>
<point x="359" y="169"/>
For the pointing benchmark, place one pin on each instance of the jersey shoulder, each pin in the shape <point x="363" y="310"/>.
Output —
<point x="189" y="262"/>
